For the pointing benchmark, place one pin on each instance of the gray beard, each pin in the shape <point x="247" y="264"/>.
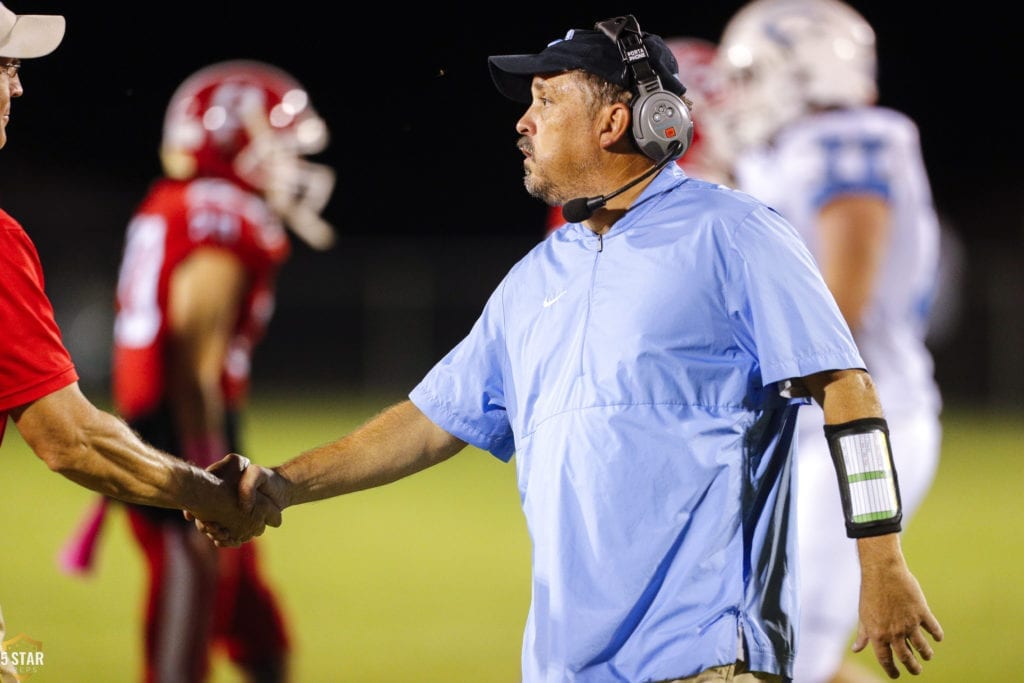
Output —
<point x="543" y="190"/>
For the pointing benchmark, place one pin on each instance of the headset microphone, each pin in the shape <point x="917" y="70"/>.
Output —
<point x="662" y="127"/>
<point x="580" y="209"/>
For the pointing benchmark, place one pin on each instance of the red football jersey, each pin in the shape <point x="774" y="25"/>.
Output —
<point x="175" y="218"/>
<point x="33" y="360"/>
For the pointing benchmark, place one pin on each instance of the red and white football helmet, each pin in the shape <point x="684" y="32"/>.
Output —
<point x="705" y="87"/>
<point x="252" y="123"/>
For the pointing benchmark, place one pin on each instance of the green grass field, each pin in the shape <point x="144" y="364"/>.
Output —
<point x="427" y="579"/>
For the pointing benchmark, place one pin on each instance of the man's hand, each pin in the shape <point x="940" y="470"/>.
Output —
<point x="244" y="519"/>
<point x="257" y="487"/>
<point x="894" y="614"/>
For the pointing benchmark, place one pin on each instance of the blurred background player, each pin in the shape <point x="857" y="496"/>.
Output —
<point x="695" y="58"/>
<point x="802" y="128"/>
<point x="195" y="293"/>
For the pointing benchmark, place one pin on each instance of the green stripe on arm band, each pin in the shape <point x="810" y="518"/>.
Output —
<point x="868" y="486"/>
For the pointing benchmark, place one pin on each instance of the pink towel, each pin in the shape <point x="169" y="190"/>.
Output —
<point x="76" y="557"/>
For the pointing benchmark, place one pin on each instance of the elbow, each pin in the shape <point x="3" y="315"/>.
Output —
<point x="65" y="452"/>
<point x="822" y="385"/>
<point x="58" y="458"/>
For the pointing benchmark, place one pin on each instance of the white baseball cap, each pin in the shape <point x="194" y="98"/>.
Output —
<point x="23" y="36"/>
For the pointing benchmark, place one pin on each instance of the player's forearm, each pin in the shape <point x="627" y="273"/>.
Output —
<point x="112" y="459"/>
<point x="99" y="451"/>
<point x="106" y="456"/>
<point x="396" y="443"/>
<point x="115" y="462"/>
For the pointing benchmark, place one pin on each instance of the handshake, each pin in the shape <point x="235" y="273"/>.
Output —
<point x="249" y="498"/>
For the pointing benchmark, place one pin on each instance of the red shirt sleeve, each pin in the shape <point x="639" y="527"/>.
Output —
<point x="33" y="359"/>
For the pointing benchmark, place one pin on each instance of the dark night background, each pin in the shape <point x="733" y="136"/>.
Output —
<point x="429" y="204"/>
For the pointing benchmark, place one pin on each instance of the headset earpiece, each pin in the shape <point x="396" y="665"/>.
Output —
<point x="661" y="119"/>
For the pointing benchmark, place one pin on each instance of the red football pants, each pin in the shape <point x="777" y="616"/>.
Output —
<point x="202" y="597"/>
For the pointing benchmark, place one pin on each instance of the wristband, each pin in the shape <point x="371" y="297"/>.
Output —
<point x="862" y="456"/>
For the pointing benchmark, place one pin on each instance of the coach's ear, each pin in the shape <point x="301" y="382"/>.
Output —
<point x="613" y="126"/>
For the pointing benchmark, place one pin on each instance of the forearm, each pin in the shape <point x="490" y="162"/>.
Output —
<point x="99" y="451"/>
<point x="105" y="455"/>
<point x="853" y="235"/>
<point x="111" y="459"/>
<point x="880" y="555"/>
<point x="858" y="441"/>
<point x="396" y="443"/>
<point x="893" y="612"/>
<point x="207" y="293"/>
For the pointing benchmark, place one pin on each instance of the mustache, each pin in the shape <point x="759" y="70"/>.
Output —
<point x="524" y="145"/>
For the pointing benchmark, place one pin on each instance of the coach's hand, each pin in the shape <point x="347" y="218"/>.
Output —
<point x="894" y="614"/>
<point x="247" y="518"/>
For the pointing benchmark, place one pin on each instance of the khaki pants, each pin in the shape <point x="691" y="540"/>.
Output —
<point x="730" y="673"/>
<point x="6" y="672"/>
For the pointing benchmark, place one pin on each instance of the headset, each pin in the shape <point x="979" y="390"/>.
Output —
<point x="662" y="127"/>
<point x="661" y="119"/>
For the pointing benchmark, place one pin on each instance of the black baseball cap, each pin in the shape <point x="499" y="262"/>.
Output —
<point x="590" y="50"/>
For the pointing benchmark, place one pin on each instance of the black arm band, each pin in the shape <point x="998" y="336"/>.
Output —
<point x="862" y="456"/>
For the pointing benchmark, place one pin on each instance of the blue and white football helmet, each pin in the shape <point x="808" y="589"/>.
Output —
<point x="784" y="58"/>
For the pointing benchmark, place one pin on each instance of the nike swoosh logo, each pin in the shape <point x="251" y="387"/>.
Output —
<point x="549" y="300"/>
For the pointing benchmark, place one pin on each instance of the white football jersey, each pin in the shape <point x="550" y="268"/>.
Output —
<point x="866" y="150"/>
